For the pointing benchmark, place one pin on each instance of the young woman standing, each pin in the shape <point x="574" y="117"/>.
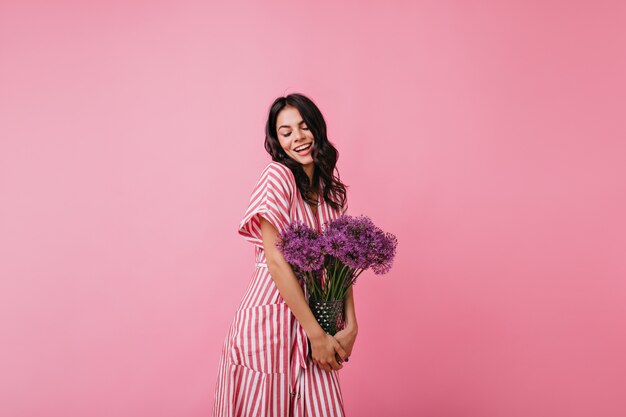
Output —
<point x="276" y="359"/>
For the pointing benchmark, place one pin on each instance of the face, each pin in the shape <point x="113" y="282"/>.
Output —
<point x="294" y="135"/>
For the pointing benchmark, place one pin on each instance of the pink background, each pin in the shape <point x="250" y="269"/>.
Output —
<point x="488" y="136"/>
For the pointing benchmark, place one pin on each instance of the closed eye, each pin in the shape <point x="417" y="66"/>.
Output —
<point x="287" y="134"/>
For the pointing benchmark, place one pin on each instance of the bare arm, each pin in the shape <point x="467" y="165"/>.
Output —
<point x="350" y="313"/>
<point x="347" y="336"/>
<point x="323" y="346"/>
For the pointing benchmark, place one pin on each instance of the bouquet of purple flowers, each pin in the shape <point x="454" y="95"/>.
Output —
<point x="330" y="262"/>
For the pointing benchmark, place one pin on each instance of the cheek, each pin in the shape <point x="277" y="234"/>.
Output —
<point x="284" y="144"/>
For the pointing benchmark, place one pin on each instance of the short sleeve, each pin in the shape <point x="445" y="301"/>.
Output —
<point x="344" y="209"/>
<point x="271" y="198"/>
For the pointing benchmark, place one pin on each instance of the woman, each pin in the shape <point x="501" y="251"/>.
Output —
<point x="277" y="360"/>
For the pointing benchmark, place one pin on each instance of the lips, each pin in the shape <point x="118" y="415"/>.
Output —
<point x="303" y="148"/>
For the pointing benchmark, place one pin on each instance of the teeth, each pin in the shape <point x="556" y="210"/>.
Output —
<point x="299" y="148"/>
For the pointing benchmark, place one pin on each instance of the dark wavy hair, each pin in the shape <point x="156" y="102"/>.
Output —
<point x="324" y="154"/>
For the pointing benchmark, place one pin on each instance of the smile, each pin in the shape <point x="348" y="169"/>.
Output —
<point x="302" y="147"/>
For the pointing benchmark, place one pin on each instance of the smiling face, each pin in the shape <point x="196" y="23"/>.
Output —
<point x="294" y="136"/>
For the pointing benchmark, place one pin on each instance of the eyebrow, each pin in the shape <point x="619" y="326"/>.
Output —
<point x="300" y="122"/>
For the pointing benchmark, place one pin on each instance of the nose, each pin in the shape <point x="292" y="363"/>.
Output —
<point x="299" y="134"/>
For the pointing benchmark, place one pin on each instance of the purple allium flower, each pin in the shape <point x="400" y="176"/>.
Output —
<point x="384" y="253"/>
<point x="359" y="244"/>
<point x="301" y="246"/>
<point x="332" y="261"/>
<point x="335" y="242"/>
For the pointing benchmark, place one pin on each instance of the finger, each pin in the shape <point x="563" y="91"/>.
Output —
<point x="341" y="351"/>
<point x="342" y="361"/>
<point x="335" y="364"/>
<point x="330" y="364"/>
<point x="319" y="363"/>
<point x="338" y="341"/>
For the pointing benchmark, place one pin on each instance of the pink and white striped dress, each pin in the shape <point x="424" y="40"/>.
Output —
<point x="265" y="369"/>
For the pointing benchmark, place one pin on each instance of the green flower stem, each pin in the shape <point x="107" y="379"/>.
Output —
<point x="332" y="275"/>
<point x="345" y="272"/>
<point x="313" y="285"/>
<point x="335" y="280"/>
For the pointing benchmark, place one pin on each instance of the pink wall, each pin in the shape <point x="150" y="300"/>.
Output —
<point x="489" y="137"/>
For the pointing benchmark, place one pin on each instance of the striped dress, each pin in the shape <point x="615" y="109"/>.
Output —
<point x="265" y="368"/>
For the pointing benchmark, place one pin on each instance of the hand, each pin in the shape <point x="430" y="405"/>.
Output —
<point x="346" y="339"/>
<point x="323" y="351"/>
